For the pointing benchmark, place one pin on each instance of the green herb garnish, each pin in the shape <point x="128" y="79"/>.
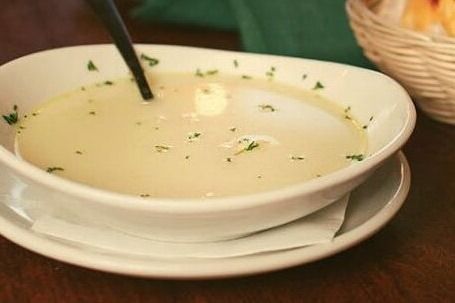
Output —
<point x="347" y="110"/>
<point x="151" y="61"/>
<point x="233" y="129"/>
<point x="228" y="159"/>
<point x="357" y="157"/>
<point x="304" y="76"/>
<point x="252" y="146"/>
<point x="91" y="66"/>
<point x="162" y="148"/>
<point x="236" y="63"/>
<point x="12" y="118"/>
<point x="297" y="158"/>
<point x="78" y="152"/>
<point x="187" y="157"/>
<point x="144" y="195"/>
<point x="318" y="85"/>
<point x="193" y="136"/>
<point x="53" y="169"/>
<point x="93" y="113"/>
<point x="266" y="108"/>
<point x="108" y="83"/>
<point x="248" y="145"/>
<point x="246" y="77"/>
<point x="201" y="74"/>
<point x="271" y="72"/>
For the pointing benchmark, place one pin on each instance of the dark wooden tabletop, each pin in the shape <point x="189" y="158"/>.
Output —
<point x="411" y="260"/>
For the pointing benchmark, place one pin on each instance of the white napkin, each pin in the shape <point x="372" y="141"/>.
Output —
<point x="319" y="227"/>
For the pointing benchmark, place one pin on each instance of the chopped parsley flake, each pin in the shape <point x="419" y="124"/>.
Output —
<point x="201" y="74"/>
<point x="228" y="159"/>
<point x="93" y="113"/>
<point x="371" y="119"/>
<point x="78" y="152"/>
<point x="365" y="126"/>
<point x="13" y="117"/>
<point x="236" y="63"/>
<point x="233" y="129"/>
<point x="144" y="195"/>
<point x="151" y="61"/>
<point x="318" y="85"/>
<point x="53" y="169"/>
<point x="358" y="157"/>
<point x="266" y="108"/>
<point x="304" y="76"/>
<point x="35" y="114"/>
<point x="297" y="158"/>
<point x="138" y="123"/>
<point x="248" y="145"/>
<point x="108" y="83"/>
<point x="91" y="66"/>
<point x="347" y="110"/>
<point x="259" y="177"/>
<point x="252" y="146"/>
<point x="193" y="136"/>
<point x="162" y="148"/>
<point x="271" y="72"/>
<point x="82" y="88"/>
<point x="187" y="157"/>
<point x="246" y="77"/>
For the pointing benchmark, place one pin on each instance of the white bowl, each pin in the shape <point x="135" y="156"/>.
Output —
<point x="31" y="79"/>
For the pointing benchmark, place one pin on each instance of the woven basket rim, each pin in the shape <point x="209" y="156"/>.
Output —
<point x="425" y="38"/>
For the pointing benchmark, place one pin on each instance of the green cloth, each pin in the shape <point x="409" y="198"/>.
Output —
<point x="316" y="29"/>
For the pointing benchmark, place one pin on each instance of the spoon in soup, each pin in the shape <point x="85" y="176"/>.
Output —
<point x="108" y="13"/>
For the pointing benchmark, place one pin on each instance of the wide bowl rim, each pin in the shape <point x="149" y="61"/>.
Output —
<point x="216" y="204"/>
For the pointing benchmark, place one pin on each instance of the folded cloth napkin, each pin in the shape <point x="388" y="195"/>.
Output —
<point x="315" y="29"/>
<point x="316" y="228"/>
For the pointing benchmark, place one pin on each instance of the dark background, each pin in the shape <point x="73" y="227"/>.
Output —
<point x="411" y="260"/>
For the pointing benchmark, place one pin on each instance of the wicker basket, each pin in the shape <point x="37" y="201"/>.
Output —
<point x="423" y="64"/>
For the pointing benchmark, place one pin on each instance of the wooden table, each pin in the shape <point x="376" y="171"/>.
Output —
<point x="411" y="260"/>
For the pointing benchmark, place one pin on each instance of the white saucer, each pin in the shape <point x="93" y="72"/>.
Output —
<point x="371" y="206"/>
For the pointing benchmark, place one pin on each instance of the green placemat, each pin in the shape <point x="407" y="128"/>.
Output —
<point x="315" y="29"/>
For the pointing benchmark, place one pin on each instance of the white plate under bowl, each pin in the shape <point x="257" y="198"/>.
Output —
<point x="371" y="206"/>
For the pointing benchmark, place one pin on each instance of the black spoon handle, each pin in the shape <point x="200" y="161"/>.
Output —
<point x="108" y="13"/>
